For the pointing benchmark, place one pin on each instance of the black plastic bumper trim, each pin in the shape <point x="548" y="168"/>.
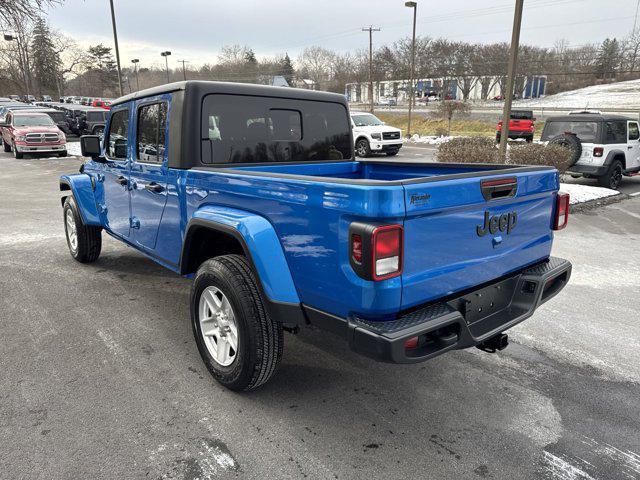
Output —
<point x="450" y="325"/>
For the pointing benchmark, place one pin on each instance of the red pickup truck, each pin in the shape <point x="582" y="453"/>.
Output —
<point x="521" y="125"/>
<point x="32" y="132"/>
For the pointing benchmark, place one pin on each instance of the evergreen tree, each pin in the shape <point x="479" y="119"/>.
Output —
<point x="287" y="70"/>
<point x="102" y="66"/>
<point x="608" y="58"/>
<point x="45" y="59"/>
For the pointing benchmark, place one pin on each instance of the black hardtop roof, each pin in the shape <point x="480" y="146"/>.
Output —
<point x="588" y="117"/>
<point x="201" y="88"/>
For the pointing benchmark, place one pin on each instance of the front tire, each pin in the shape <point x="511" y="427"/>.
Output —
<point x="239" y="343"/>
<point x="613" y="177"/>
<point x="84" y="241"/>
<point x="362" y="148"/>
<point x="63" y="154"/>
<point x="18" y="155"/>
<point x="6" y="146"/>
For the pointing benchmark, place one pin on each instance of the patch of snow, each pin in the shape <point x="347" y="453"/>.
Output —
<point x="73" y="149"/>
<point x="613" y="95"/>
<point x="585" y="193"/>
<point x="561" y="469"/>
<point x="429" y="139"/>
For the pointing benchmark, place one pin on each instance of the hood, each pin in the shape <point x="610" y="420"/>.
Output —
<point x="37" y="129"/>
<point x="378" y="128"/>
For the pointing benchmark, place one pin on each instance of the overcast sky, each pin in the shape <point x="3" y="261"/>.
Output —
<point x="195" y="30"/>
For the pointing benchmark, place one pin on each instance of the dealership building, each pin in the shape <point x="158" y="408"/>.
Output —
<point x="533" y="87"/>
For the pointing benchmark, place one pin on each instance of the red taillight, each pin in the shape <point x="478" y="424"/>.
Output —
<point x="598" y="151"/>
<point x="411" y="343"/>
<point x="356" y="248"/>
<point x="387" y="252"/>
<point x="562" y="211"/>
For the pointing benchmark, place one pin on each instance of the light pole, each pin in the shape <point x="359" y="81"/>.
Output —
<point x="135" y="62"/>
<point x="23" y="61"/>
<point x="413" y="5"/>
<point x="115" y="41"/>
<point x="511" y="74"/>
<point x="166" y="61"/>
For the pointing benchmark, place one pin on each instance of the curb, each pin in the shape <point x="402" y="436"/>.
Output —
<point x="598" y="202"/>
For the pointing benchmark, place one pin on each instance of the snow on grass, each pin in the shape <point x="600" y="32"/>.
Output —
<point x="429" y="139"/>
<point x="614" y="95"/>
<point x="585" y="193"/>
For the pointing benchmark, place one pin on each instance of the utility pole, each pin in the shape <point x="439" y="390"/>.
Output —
<point x="135" y="62"/>
<point x="511" y="74"/>
<point x="166" y="61"/>
<point x="370" y="29"/>
<point x="635" y="21"/>
<point x="184" y="71"/>
<point x="413" y="5"/>
<point x="115" y="41"/>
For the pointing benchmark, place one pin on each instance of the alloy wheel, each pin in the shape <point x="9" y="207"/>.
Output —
<point x="218" y="326"/>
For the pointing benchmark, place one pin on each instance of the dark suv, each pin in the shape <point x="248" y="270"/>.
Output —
<point x="91" y="121"/>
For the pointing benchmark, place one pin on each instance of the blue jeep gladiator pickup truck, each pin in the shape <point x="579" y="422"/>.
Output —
<point x="254" y="192"/>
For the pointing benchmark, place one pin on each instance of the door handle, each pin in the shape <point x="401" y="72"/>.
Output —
<point x="154" y="187"/>
<point x="629" y="147"/>
<point x="122" y="180"/>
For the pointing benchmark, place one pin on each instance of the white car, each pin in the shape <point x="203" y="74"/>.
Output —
<point x="605" y="147"/>
<point x="372" y="135"/>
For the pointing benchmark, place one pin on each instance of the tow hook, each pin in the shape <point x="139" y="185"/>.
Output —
<point x="493" y="344"/>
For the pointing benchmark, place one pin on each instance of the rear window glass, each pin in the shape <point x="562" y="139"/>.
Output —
<point x="95" y="116"/>
<point x="57" y="116"/>
<point x="585" y="131"/>
<point x="247" y="129"/>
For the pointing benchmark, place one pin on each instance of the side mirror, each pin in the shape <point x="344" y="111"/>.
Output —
<point x="90" y="146"/>
<point x="120" y="148"/>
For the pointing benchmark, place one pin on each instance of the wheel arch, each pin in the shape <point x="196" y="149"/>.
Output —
<point x="81" y="187"/>
<point x="214" y="231"/>
<point x="614" y="155"/>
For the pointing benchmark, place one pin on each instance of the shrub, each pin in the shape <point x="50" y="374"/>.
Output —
<point x="441" y="131"/>
<point x="469" y="150"/>
<point x="537" y="154"/>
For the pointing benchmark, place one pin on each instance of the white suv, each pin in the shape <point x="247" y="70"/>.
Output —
<point x="371" y="135"/>
<point x="606" y="147"/>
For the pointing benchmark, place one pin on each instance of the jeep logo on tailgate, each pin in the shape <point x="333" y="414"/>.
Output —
<point x="504" y="223"/>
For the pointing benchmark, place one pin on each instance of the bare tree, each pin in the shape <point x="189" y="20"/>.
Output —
<point x="447" y="109"/>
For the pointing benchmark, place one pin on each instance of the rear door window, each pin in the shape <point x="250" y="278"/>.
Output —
<point x="150" y="138"/>
<point x="250" y="129"/>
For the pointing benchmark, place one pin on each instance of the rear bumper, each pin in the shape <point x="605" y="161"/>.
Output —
<point x="452" y="324"/>
<point x="595" y="170"/>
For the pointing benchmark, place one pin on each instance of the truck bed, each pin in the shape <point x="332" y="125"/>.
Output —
<point x="380" y="172"/>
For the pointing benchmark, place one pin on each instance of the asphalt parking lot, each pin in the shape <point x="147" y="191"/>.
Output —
<point x="101" y="377"/>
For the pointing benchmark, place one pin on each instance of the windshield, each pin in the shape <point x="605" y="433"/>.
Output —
<point x="31" y="120"/>
<point x="587" y="132"/>
<point x="366" y="120"/>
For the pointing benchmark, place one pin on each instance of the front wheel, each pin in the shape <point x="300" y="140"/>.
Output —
<point x="63" y="153"/>
<point x="362" y="148"/>
<point x="613" y="177"/>
<point x="239" y="343"/>
<point x="16" y="153"/>
<point x="84" y="241"/>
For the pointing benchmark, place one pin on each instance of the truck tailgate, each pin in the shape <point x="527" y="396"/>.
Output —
<point x="455" y="238"/>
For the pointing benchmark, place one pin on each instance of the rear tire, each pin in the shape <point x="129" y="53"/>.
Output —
<point x="362" y="148"/>
<point x="84" y="241"/>
<point x="238" y="309"/>
<point x="613" y="177"/>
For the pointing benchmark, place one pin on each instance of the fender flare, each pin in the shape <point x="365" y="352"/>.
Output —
<point x="613" y="154"/>
<point x="262" y="247"/>
<point x="81" y="187"/>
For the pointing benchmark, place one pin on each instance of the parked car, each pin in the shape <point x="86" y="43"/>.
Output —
<point x="521" y="125"/>
<point x="387" y="101"/>
<point x="59" y="118"/>
<point x="73" y="113"/>
<point x="99" y="103"/>
<point x="15" y="98"/>
<point x="47" y="98"/>
<point x="281" y="230"/>
<point x="605" y="147"/>
<point x="372" y="135"/>
<point x="32" y="132"/>
<point x="91" y="121"/>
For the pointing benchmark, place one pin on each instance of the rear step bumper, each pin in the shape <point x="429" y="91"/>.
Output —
<point x="457" y="323"/>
